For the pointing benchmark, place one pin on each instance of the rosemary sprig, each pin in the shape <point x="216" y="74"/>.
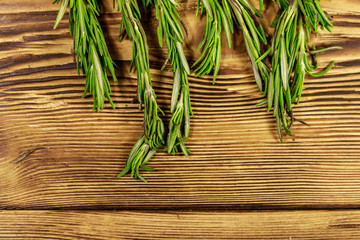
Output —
<point x="290" y="54"/>
<point x="153" y="137"/>
<point x="169" y="28"/>
<point x="92" y="54"/>
<point x="217" y="17"/>
<point x="254" y="38"/>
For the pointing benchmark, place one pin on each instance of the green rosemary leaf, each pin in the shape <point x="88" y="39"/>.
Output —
<point x="262" y="103"/>
<point x="61" y="13"/>
<point x="271" y="92"/>
<point x="175" y="91"/>
<point x="159" y="31"/>
<point x="277" y="82"/>
<point x="325" y="49"/>
<point x="123" y="172"/>
<point x="262" y="34"/>
<point x="146" y="168"/>
<point x="246" y="4"/>
<point x="228" y="16"/>
<point x="287" y="95"/>
<point x="187" y="112"/>
<point x="279" y="126"/>
<point x="283" y="63"/>
<point x="261" y="3"/>
<point x="209" y="10"/>
<point x="320" y="74"/>
<point x="217" y="64"/>
<point x="263" y="56"/>
<point x="135" y="148"/>
<point x="255" y="34"/>
<point x="149" y="155"/>
<point x="172" y="139"/>
<point x="226" y="24"/>
<point x="182" y="57"/>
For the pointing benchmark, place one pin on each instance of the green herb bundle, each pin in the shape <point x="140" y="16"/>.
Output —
<point x="90" y="48"/>
<point x="289" y="57"/>
<point x="169" y="28"/>
<point x="295" y="22"/>
<point x="218" y="17"/>
<point x="154" y="131"/>
<point x="254" y="38"/>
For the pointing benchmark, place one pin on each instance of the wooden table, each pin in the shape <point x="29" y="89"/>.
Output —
<point x="240" y="182"/>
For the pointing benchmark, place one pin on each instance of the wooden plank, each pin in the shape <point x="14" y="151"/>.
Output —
<point x="179" y="225"/>
<point x="237" y="160"/>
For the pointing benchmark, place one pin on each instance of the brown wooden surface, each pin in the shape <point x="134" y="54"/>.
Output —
<point x="180" y="225"/>
<point x="237" y="161"/>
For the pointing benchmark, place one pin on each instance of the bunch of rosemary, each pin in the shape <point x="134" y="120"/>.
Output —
<point x="279" y="71"/>
<point x="217" y="17"/>
<point x="254" y="38"/>
<point x="169" y="28"/>
<point x="90" y="47"/>
<point x="154" y="130"/>
<point x="289" y="55"/>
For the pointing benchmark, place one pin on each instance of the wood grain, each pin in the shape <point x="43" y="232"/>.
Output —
<point x="179" y="225"/>
<point x="237" y="160"/>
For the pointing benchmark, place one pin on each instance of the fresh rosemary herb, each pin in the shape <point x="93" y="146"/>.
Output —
<point x="254" y="38"/>
<point x="153" y="137"/>
<point x="90" y="48"/>
<point x="290" y="54"/>
<point x="169" y="28"/>
<point x="217" y="16"/>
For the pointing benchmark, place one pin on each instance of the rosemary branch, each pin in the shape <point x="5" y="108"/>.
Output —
<point x="169" y="28"/>
<point x="290" y="54"/>
<point x="217" y="17"/>
<point x="153" y="137"/>
<point x="254" y="38"/>
<point x="90" y="48"/>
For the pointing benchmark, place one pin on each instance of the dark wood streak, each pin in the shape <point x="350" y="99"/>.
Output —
<point x="13" y="31"/>
<point x="46" y="37"/>
<point x="353" y="63"/>
<point x="346" y="24"/>
<point x="30" y="17"/>
<point x="29" y="58"/>
<point x="29" y="71"/>
<point x="24" y="89"/>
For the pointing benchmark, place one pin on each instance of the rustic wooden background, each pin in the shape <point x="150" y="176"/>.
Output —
<point x="239" y="183"/>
